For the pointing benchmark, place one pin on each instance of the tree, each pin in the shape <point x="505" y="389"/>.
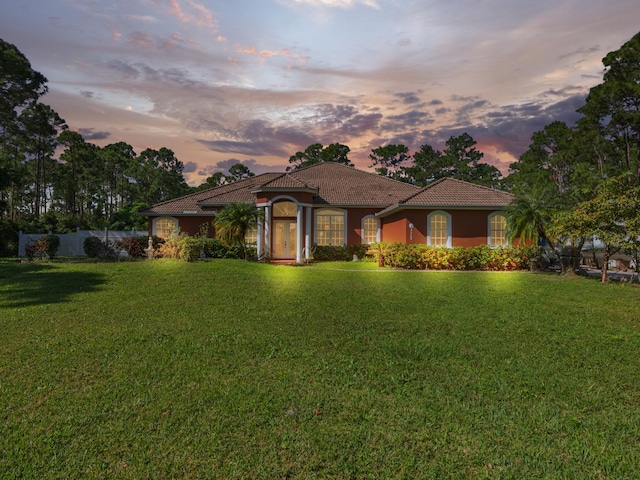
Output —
<point x="460" y="160"/>
<point x="118" y="162"/>
<point x="158" y="176"/>
<point x="77" y="183"/>
<point x="215" y="180"/>
<point x="530" y="217"/>
<point x="611" y="216"/>
<point x="237" y="172"/>
<point x="20" y="86"/>
<point x="390" y="160"/>
<point x="41" y="126"/>
<point x="234" y="221"/>
<point x="315" y="154"/>
<point x="613" y="107"/>
<point x="426" y="166"/>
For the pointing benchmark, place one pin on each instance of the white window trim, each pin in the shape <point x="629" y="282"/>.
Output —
<point x="489" y="218"/>
<point x="164" y="217"/>
<point x="315" y="223"/>
<point x="448" y="217"/>
<point x="362" y="228"/>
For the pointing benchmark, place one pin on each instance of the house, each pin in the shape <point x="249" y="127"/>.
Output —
<point x="333" y="204"/>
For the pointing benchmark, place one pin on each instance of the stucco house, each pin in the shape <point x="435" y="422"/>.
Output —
<point x="333" y="204"/>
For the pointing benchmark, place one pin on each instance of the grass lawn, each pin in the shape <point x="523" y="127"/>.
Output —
<point x="229" y="369"/>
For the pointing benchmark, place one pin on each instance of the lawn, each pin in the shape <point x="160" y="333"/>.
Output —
<point x="229" y="369"/>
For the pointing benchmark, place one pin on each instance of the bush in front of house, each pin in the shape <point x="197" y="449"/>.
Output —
<point x="339" y="253"/>
<point x="44" y="248"/>
<point x="482" y="257"/>
<point x="92" y="247"/>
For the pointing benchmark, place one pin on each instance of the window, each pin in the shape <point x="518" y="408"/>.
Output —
<point x="164" y="226"/>
<point x="330" y="227"/>
<point x="285" y="209"/>
<point x="370" y="230"/>
<point x="439" y="229"/>
<point x="251" y="236"/>
<point x="497" y="230"/>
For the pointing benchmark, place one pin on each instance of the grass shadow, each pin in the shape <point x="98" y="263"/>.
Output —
<point x="24" y="285"/>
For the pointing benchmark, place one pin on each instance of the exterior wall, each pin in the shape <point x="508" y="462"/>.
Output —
<point x="354" y="223"/>
<point x="469" y="227"/>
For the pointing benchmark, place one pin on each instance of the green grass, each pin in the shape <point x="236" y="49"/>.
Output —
<point x="229" y="369"/>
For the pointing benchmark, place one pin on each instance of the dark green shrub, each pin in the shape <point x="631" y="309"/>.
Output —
<point x="330" y="253"/>
<point x="92" y="247"/>
<point x="214" y="248"/>
<point x="51" y="246"/>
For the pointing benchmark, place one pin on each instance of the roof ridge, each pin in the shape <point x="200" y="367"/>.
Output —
<point x="342" y="165"/>
<point x="474" y="184"/>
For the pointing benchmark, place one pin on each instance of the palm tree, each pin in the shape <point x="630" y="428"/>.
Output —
<point x="530" y="217"/>
<point x="234" y="221"/>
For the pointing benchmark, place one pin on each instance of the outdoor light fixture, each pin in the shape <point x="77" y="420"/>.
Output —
<point x="411" y="231"/>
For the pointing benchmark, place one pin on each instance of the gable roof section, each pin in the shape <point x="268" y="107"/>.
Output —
<point x="341" y="185"/>
<point x="452" y="193"/>
<point x="193" y="203"/>
<point x="286" y="182"/>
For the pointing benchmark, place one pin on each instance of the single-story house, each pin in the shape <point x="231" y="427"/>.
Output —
<point x="333" y="204"/>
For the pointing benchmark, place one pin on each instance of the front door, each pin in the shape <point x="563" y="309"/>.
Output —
<point x="284" y="238"/>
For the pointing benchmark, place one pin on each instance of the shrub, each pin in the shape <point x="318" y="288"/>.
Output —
<point x="189" y="248"/>
<point x="132" y="246"/>
<point x="44" y="248"/>
<point x="331" y="253"/>
<point x="92" y="247"/>
<point x="482" y="257"/>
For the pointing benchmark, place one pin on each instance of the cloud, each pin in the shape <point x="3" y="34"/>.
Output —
<point x="89" y="134"/>
<point x="409" y="97"/>
<point x="344" y="4"/>
<point x="190" y="167"/>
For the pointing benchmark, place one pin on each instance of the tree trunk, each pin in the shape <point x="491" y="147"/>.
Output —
<point x="605" y="264"/>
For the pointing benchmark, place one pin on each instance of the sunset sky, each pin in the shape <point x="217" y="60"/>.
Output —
<point x="222" y="81"/>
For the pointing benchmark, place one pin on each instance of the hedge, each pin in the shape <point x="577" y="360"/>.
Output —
<point x="483" y="257"/>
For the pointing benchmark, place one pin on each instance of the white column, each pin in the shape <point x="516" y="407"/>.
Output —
<point x="259" y="238"/>
<point x="307" y="235"/>
<point x="267" y="231"/>
<point x="299" y="235"/>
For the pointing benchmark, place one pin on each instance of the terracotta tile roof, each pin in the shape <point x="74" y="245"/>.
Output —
<point x="342" y="185"/>
<point x="286" y="180"/>
<point x="448" y="192"/>
<point x="337" y="184"/>
<point x="194" y="203"/>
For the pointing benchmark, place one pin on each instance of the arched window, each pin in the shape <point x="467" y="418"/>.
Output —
<point x="439" y="229"/>
<point x="370" y="229"/>
<point x="285" y="209"/>
<point x="497" y="230"/>
<point x="165" y="226"/>
<point x="330" y="226"/>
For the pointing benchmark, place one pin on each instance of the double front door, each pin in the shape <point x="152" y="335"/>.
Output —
<point x="285" y="237"/>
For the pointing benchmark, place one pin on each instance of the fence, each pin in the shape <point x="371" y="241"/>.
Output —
<point x="72" y="244"/>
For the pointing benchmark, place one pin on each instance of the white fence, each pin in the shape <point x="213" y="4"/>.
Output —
<point x="72" y="244"/>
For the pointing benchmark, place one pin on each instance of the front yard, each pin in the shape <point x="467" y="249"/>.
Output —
<point x="229" y="369"/>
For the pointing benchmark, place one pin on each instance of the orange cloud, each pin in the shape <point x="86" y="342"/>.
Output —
<point x="266" y="54"/>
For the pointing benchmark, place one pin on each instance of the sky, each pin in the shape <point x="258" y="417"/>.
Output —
<point x="254" y="81"/>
